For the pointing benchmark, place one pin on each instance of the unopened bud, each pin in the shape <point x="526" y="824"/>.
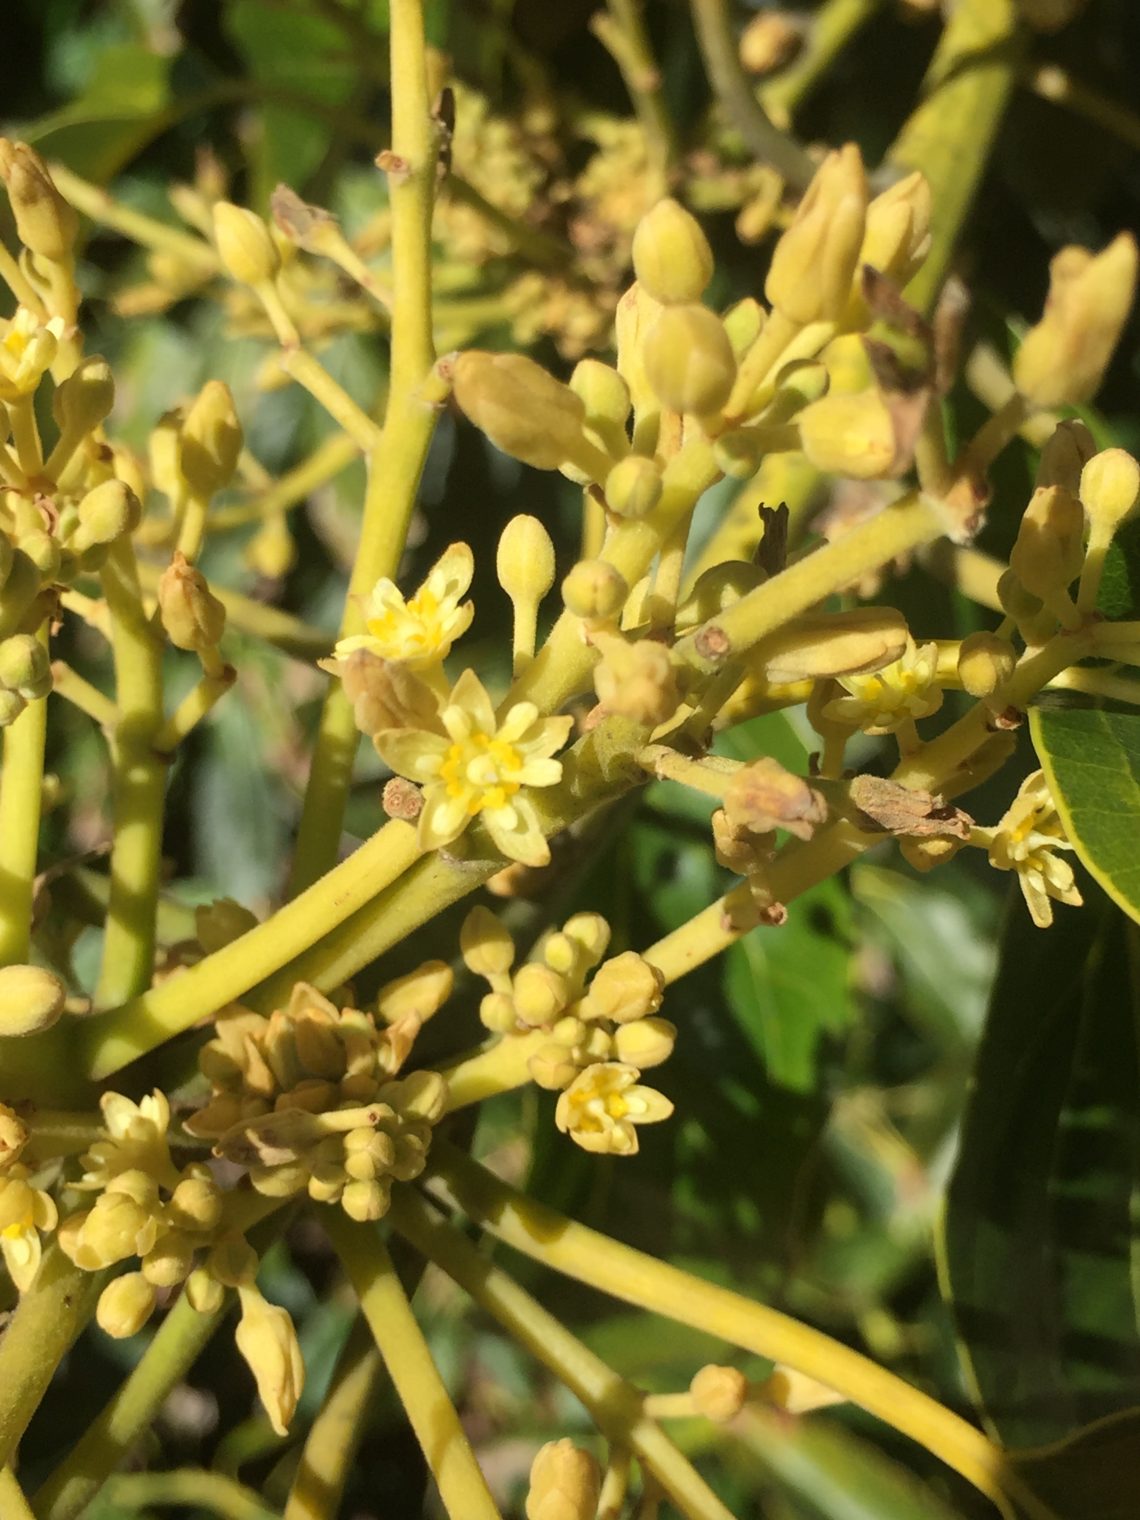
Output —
<point x="165" y="450"/>
<point x="522" y="409"/>
<point x="1110" y="488"/>
<point x="419" y="994"/>
<point x="169" y="1261"/>
<point x="540" y="994"/>
<point x="591" y="932"/>
<point x="645" y="1042"/>
<point x="633" y="487"/>
<point x="552" y="1067"/>
<point x="849" y="435"/>
<point x="106" y="514"/>
<point x="813" y="264"/>
<point x="191" y="615"/>
<point x="769" y="41"/>
<point x="125" y="1305"/>
<point x="897" y="233"/>
<point x="219" y="923"/>
<point x="211" y="440"/>
<point x="605" y="396"/>
<point x="1016" y="599"/>
<point x="497" y="1013"/>
<point x="13" y="1136"/>
<point x="818" y="646"/>
<point x="565" y="1483"/>
<point x="487" y="948"/>
<point x="689" y="360"/>
<point x="196" y="1204"/>
<point x="671" y="255"/>
<point x="635" y="314"/>
<point x="32" y="999"/>
<point x="719" y="1393"/>
<point x="204" y="1293"/>
<point x="419" y="1095"/>
<point x="1067" y="450"/>
<point x="594" y="590"/>
<point x="385" y="694"/>
<point x="245" y="245"/>
<point x="45" y="222"/>
<point x="85" y="398"/>
<point x="44" y="551"/>
<point x="1049" y="550"/>
<point x="636" y="679"/>
<point x="925" y="854"/>
<point x="985" y="662"/>
<point x="524" y="562"/>
<point x="624" y="988"/>
<point x="744" y="323"/>
<point x="1062" y="360"/>
<point x="25" y="666"/>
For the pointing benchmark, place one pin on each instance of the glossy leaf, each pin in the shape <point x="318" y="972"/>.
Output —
<point x="1095" y="1474"/>
<point x="1039" y="1235"/>
<point x="123" y="107"/>
<point x="1091" y="757"/>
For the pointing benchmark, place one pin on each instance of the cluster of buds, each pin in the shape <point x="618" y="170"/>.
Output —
<point x="26" y="1211"/>
<point x="310" y="1100"/>
<point x="602" y="1028"/>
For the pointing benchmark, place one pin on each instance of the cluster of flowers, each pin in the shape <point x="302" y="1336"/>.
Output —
<point x="600" y="1034"/>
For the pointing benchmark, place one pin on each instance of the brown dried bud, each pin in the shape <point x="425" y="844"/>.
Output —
<point x="764" y="796"/>
<point x="902" y="810"/>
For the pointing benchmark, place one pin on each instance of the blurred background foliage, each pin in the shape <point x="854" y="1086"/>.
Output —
<point x="823" y="1070"/>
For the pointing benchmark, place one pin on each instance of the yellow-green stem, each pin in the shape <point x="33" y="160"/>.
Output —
<point x="138" y="1025"/>
<point x="432" y="1416"/>
<point x="396" y="463"/>
<point x="641" y="1280"/>
<point x="13" y="1504"/>
<point x="21" y="792"/>
<point x="352" y="419"/>
<point x="614" y="1404"/>
<point x="74" y="688"/>
<point x="830" y="29"/>
<point x="621" y="30"/>
<point x="189" y="1488"/>
<point x="278" y="628"/>
<point x="335" y="1434"/>
<point x="137" y="789"/>
<point x="136" y="225"/>
<point x="195" y="705"/>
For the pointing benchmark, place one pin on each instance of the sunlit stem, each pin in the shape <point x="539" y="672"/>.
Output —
<point x="21" y="792"/>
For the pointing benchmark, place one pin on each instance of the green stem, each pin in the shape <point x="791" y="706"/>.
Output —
<point x="642" y="1280"/>
<point x="37" y="1338"/>
<point x="174" y="1349"/>
<point x="143" y="1022"/>
<point x="622" y="32"/>
<point x="189" y="1488"/>
<point x="21" y="791"/>
<point x="432" y="1416"/>
<point x="732" y="89"/>
<point x="396" y="463"/>
<point x="830" y="30"/>
<point x="952" y="132"/>
<point x="137" y="789"/>
<point x="614" y="1404"/>
<point x="336" y="1432"/>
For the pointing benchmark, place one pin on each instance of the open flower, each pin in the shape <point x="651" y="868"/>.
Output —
<point x="27" y="349"/>
<point x="1025" y="840"/>
<point x="136" y="1141"/>
<point x="420" y="631"/>
<point x="602" y="1106"/>
<point x="899" y="693"/>
<point x="481" y="768"/>
<point x="24" y="1212"/>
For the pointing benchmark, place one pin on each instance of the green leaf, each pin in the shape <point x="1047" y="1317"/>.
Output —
<point x="788" y="987"/>
<point x="1119" y="594"/>
<point x="1095" y="1474"/>
<point x="123" y="107"/>
<point x="1091" y="758"/>
<point x="1039" y="1237"/>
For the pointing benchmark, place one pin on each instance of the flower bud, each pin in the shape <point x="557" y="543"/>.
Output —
<point x="633" y="487"/>
<point x="84" y="400"/>
<point x="419" y="1095"/>
<point x="169" y="1260"/>
<point x="487" y="948"/>
<point x="196" y="1204"/>
<point x="985" y="662"/>
<point x="552" y="1067"/>
<point x="591" y="932"/>
<point x="385" y="693"/>
<point x="204" y="1293"/>
<point x="689" y="360"/>
<point x="191" y="615"/>
<point x="267" y="1340"/>
<point x="565" y="1483"/>
<point x="245" y="245"/>
<point x="795" y="1392"/>
<point x="45" y="222"/>
<point x="637" y="680"/>
<point x="419" y="994"/>
<point x="813" y="264"/>
<point x="522" y="409"/>
<point x="497" y="1013"/>
<point x="849" y="435"/>
<point x="672" y="259"/>
<point x="524" y="562"/>
<point x="1067" y="450"/>
<point x="44" y="552"/>
<point x="1016" y="599"/>
<point x="744" y="323"/>
<point x="31" y="1000"/>
<point x="125" y="1305"/>
<point x="211" y="440"/>
<point x="926" y="853"/>
<point x="624" y="988"/>
<point x="540" y="994"/>
<point x="719" y="1393"/>
<point x="819" y="646"/>
<point x="25" y="666"/>
<point x="364" y="1201"/>
<point x="594" y="590"/>
<point x="219" y="923"/>
<point x="105" y="514"/>
<point x="897" y="232"/>
<point x="769" y="41"/>
<point x="1110" y="487"/>
<point x="1049" y="550"/>
<point x="645" y="1042"/>
<point x="606" y="398"/>
<point x="164" y="448"/>
<point x="1061" y="361"/>
<point x="635" y="314"/>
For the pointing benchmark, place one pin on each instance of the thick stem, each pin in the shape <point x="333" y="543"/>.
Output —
<point x="13" y="1504"/>
<point x="336" y="1432"/>
<point x="190" y="1488"/>
<point x="400" y="1341"/>
<point x="21" y="791"/>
